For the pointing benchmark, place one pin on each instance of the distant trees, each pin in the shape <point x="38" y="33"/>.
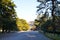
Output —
<point x="22" y="24"/>
<point x="48" y="15"/>
<point x="7" y="15"/>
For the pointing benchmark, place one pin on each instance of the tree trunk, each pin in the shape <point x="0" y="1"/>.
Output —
<point x="2" y="29"/>
<point x="53" y="16"/>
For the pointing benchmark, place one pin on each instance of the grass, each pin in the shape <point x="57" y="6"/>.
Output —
<point x="53" y="36"/>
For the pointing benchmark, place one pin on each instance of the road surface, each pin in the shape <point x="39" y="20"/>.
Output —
<point x="32" y="35"/>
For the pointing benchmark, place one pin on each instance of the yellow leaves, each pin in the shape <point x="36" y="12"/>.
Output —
<point x="6" y="0"/>
<point x="22" y="24"/>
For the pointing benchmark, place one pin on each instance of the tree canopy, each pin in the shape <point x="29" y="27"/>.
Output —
<point x="7" y="15"/>
<point x="22" y="24"/>
<point x="49" y="18"/>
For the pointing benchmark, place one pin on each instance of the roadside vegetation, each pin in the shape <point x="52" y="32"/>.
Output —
<point x="8" y="18"/>
<point x="48" y="18"/>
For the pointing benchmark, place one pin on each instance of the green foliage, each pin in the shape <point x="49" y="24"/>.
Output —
<point x="36" y="23"/>
<point x="53" y="36"/>
<point x="47" y="26"/>
<point x="22" y="24"/>
<point x="41" y="22"/>
<point x="7" y="15"/>
<point x="49" y="23"/>
<point x="57" y="23"/>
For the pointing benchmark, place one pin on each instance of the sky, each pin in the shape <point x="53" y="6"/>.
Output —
<point x="26" y="9"/>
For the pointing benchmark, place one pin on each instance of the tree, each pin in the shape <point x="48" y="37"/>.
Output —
<point x="51" y="10"/>
<point x="22" y="24"/>
<point x="7" y="15"/>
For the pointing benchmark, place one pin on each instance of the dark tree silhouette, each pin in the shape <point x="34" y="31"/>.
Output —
<point x="7" y="15"/>
<point x="52" y="7"/>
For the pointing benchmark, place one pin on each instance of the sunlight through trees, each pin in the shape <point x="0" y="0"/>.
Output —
<point x="48" y="16"/>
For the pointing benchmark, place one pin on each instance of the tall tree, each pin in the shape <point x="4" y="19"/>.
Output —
<point x="8" y="15"/>
<point x="51" y="10"/>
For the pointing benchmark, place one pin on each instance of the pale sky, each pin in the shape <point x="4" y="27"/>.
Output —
<point x="26" y="9"/>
